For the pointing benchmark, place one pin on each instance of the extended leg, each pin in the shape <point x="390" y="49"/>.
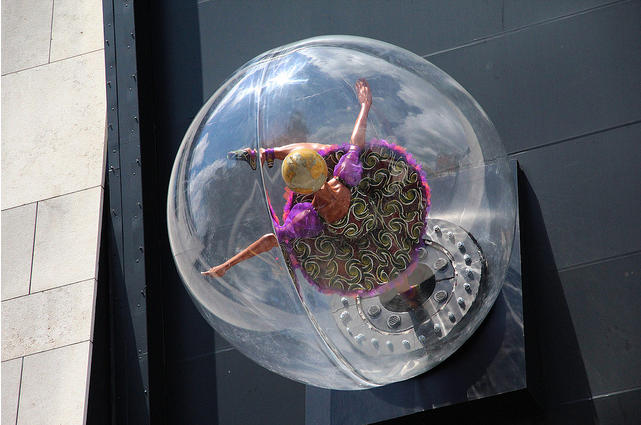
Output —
<point x="249" y="155"/>
<point x="263" y="244"/>
<point x="282" y="151"/>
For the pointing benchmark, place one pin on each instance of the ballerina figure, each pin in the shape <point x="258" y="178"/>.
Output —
<point x="358" y="231"/>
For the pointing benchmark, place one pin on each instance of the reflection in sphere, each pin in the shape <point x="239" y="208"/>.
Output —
<point x="392" y="240"/>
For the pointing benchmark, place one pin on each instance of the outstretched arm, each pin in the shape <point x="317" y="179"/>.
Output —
<point x="282" y="151"/>
<point x="263" y="244"/>
<point x="364" y="94"/>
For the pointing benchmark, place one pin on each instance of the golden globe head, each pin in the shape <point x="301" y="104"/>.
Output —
<point x="304" y="171"/>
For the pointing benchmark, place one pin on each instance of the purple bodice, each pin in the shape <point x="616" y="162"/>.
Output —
<point x="302" y="222"/>
<point x="349" y="168"/>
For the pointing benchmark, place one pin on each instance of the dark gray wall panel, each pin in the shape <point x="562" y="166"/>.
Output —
<point x="234" y="31"/>
<point x="589" y="342"/>
<point x="521" y="13"/>
<point x="191" y="391"/>
<point x="619" y="408"/>
<point x="176" y="47"/>
<point x="557" y="81"/>
<point x="614" y="409"/>
<point x="603" y="300"/>
<point x="248" y="394"/>
<point x="228" y="388"/>
<point x="588" y="190"/>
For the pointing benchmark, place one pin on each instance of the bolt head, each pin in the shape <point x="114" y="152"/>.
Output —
<point x="440" y="264"/>
<point x="440" y="296"/>
<point x="394" y="321"/>
<point x="374" y="311"/>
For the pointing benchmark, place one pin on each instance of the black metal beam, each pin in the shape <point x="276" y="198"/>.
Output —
<point x="130" y="372"/>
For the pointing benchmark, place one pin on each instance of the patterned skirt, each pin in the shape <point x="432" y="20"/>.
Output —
<point x="379" y="237"/>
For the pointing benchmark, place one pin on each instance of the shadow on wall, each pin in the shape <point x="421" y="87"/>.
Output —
<point x="564" y="379"/>
<point x="182" y="346"/>
<point x="550" y="334"/>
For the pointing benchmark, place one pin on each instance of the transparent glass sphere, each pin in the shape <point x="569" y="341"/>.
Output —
<point x="217" y="206"/>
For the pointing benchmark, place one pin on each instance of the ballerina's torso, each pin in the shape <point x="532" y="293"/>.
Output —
<point x="332" y="201"/>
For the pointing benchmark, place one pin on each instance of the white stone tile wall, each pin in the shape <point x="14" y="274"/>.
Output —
<point x="53" y="129"/>
<point x="47" y="320"/>
<point x="18" y="230"/>
<point x="65" y="249"/>
<point x="53" y="144"/>
<point x="11" y="377"/>
<point x="26" y="30"/>
<point x="68" y="39"/>
<point x="54" y="386"/>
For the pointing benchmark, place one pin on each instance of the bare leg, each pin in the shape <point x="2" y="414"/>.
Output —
<point x="280" y="152"/>
<point x="263" y="244"/>
<point x="364" y="94"/>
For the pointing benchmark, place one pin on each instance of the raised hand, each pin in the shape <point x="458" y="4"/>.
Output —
<point x="363" y="92"/>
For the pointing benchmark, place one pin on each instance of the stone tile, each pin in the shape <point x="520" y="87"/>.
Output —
<point x="18" y="227"/>
<point x="53" y="132"/>
<point x="11" y="372"/>
<point x="26" y="34"/>
<point x="54" y="386"/>
<point x="77" y="28"/>
<point x="47" y="320"/>
<point x="67" y="239"/>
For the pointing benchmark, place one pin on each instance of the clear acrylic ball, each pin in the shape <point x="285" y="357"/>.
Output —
<point x="304" y="92"/>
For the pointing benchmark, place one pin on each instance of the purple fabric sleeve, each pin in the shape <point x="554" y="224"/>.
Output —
<point x="270" y="155"/>
<point x="349" y="168"/>
<point x="302" y="222"/>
